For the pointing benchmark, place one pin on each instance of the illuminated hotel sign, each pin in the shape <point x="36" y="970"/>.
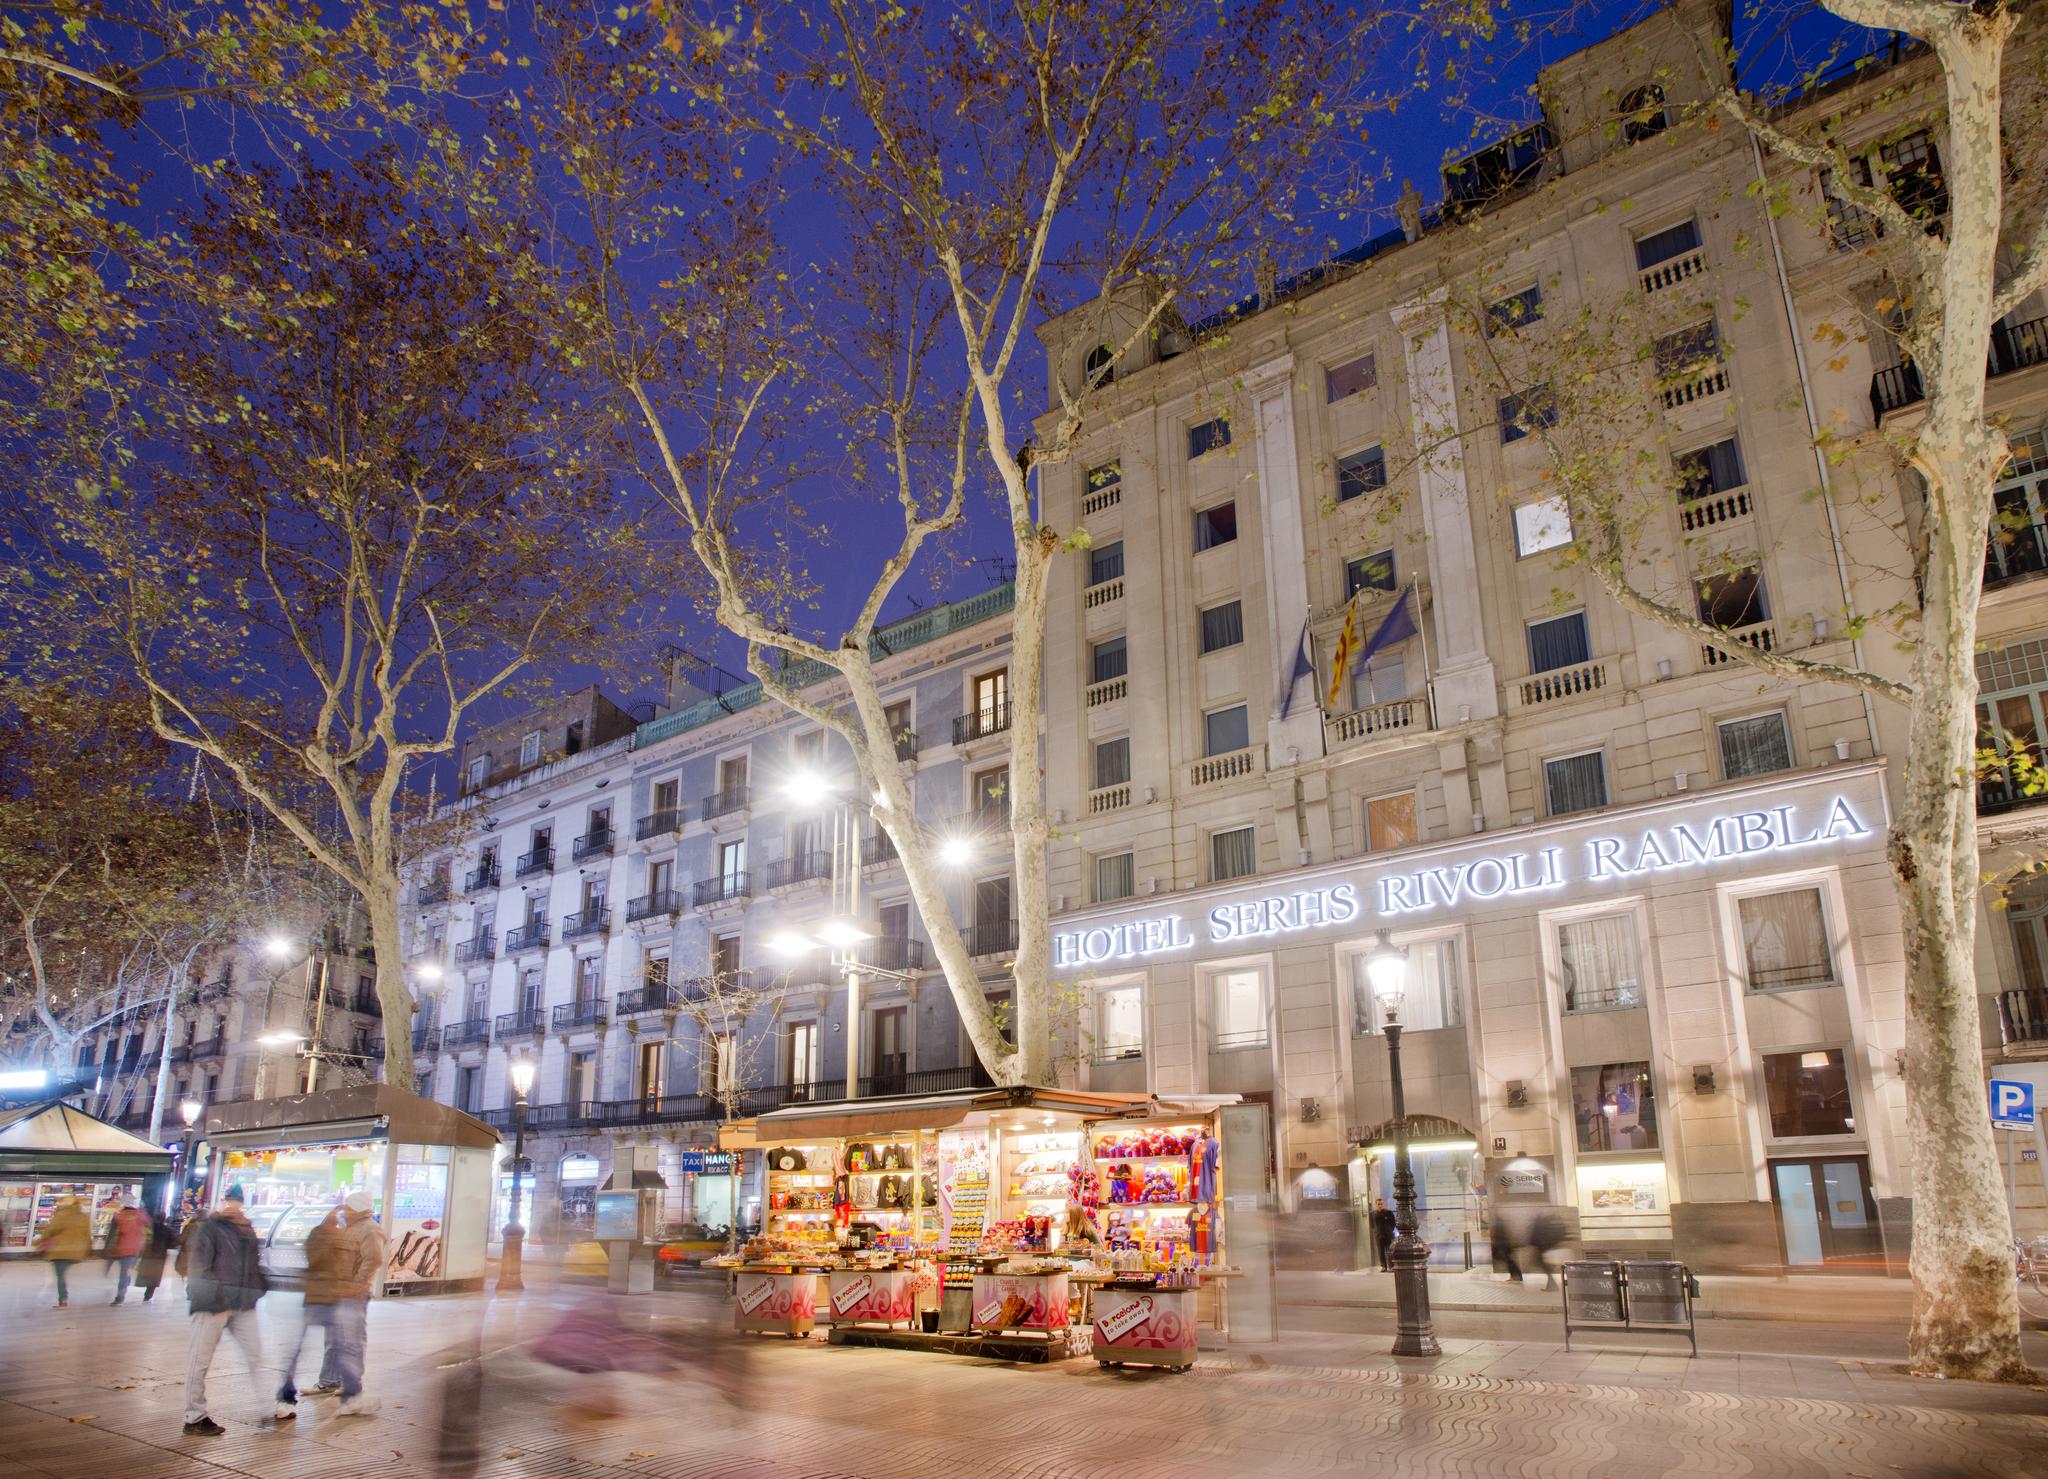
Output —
<point x="1731" y="837"/>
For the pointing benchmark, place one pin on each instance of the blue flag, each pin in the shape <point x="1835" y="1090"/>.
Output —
<point x="1399" y="626"/>
<point x="1304" y="667"/>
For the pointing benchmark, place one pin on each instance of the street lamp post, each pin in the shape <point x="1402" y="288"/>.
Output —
<point x="509" y="1281"/>
<point x="189" y="1112"/>
<point x="1387" y="967"/>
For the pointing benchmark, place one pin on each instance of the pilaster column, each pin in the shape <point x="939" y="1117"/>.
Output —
<point x="1270" y="386"/>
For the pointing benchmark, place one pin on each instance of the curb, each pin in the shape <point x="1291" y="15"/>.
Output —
<point x="1557" y="1310"/>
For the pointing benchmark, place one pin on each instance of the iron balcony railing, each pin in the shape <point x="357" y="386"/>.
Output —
<point x="532" y="935"/>
<point x="2023" y="1016"/>
<point x="211" y="1047"/>
<point x="373" y="1049"/>
<point x="992" y="938"/>
<point x="433" y="891"/>
<point x="581" y="1014"/>
<point x="2014" y="551"/>
<point x="474" y="1032"/>
<point x="181" y="1052"/>
<point x="483" y="877"/>
<point x="876" y="848"/>
<point x="908" y="744"/>
<point x="926" y="1081"/>
<point x="648" y="906"/>
<point x="426" y="1040"/>
<point x="476" y="950"/>
<point x="648" y="997"/>
<point x="981" y="723"/>
<point x="708" y="891"/>
<point x="594" y="921"/>
<point x="595" y="843"/>
<point x="540" y="860"/>
<point x="724" y="803"/>
<point x="892" y="953"/>
<point x="705" y="988"/>
<point x="803" y="867"/>
<point x="2018" y="347"/>
<point x="527" y="1023"/>
<point x="658" y="823"/>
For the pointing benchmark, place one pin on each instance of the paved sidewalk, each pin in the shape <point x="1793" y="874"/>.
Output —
<point x="1839" y="1299"/>
<point x="96" y="1390"/>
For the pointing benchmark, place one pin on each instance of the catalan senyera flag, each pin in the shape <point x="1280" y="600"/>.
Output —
<point x="1346" y="650"/>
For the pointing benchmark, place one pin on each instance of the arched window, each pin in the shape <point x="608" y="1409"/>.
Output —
<point x="1642" y="113"/>
<point x="1100" y="366"/>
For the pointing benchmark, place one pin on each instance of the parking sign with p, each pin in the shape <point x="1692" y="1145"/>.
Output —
<point x="2012" y="1104"/>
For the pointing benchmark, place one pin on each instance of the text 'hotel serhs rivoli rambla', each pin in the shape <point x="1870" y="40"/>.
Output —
<point x="1657" y="849"/>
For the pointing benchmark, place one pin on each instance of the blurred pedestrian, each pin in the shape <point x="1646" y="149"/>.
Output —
<point x="223" y="1267"/>
<point x="1546" y="1235"/>
<point x="126" y="1238"/>
<point x="66" y="1239"/>
<point x="1383" y="1228"/>
<point x="324" y="1282"/>
<point x="1504" y="1246"/>
<point x="360" y="1259"/>
<point x="149" y="1270"/>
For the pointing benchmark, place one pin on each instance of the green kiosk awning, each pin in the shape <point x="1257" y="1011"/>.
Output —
<point x="57" y="1142"/>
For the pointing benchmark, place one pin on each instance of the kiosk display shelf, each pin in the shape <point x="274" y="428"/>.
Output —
<point x="1139" y="1323"/>
<point x="799" y="1195"/>
<point x="776" y="1302"/>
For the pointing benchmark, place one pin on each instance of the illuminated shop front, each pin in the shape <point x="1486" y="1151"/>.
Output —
<point x="52" y="1151"/>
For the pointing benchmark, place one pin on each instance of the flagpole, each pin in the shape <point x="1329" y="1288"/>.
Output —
<point x="1422" y="629"/>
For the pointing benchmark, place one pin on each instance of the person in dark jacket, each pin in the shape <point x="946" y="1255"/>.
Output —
<point x="1546" y="1235"/>
<point x="223" y="1266"/>
<point x="1382" y="1234"/>
<point x="163" y="1237"/>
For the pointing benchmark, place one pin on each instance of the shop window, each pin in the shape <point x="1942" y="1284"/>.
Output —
<point x="1705" y="471"/>
<point x="1808" y="1093"/>
<point x="1575" y="783"/>
<point x="1432" y="998"/>
<point x="1526" y="411"/>
<point x="1115" y="877"/>
<point x="1232" y="854"/>
<point x="1615" y="1107"/>
<point x="1353" y="377"/>
<point x="1106" y="562"/>
<point x="1113" y="762"/>
<point x="1544" y="524"/>
<point x="1515" y="310"/>
<point x="1222" y="626"/>
<point x="1119" y="1023"/>
<point x="1240" y="1011"/>
<point x="1560" y="642"/>
<point x="1361" y="473"/>
<point x="1107" y="660"/>
<point x="1226" y="731"/>
<point x="1214" y="526"/>
<point x="1662" y="246"/>
<point x="1757" y="745"/>
<point x="1390" y="822"/>
<point x="1208" y="437"/>
<point x="1601" y="963"/>
<point x="1785" y="942"/>
<point x="1369" y="573"/>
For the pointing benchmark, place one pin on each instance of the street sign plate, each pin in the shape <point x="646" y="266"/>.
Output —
<point x="2012" y="1104"/>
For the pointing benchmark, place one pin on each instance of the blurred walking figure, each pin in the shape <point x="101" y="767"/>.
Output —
<point x="66" y="1239"/>
<point x="324" y="1256"/>
<point x="1547" y="1236"/>
<point x="223" y="1270"/>
<point x="1382" y="1234"/>
<point x="359" y="1257"/>
<point x="1504" y="1245"/>
<point x="149" y="1270"/>
<point x="126" y="1239"/>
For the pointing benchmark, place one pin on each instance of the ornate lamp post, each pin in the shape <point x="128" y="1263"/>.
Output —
<point x="1387" y="967"/>
<point x="521" y="1073"/>
<point x="188" y="1111"/>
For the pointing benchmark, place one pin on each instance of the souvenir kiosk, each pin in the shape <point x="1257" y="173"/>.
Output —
<point x="426" y="1167"/>
<point x="51" y="1151"/>
<point x="986" y="1221"/>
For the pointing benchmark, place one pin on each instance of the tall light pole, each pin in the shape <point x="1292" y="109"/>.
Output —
<point x="847" y="923"/>
<point x="1387" y="968"/>
<point x="188" y="1111"/>
<point x="520" y="1072"/>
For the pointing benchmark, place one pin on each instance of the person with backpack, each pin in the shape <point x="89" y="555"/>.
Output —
<point x="222" y="1262"/>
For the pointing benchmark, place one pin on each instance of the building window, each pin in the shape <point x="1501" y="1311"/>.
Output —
<point x="1850" y="225"/>
<point x="1115" y="877"/>
<point x="1384" y="680"/>
<point x="1431" y="995"/>
<point x="479" y="771"/>
<point x="992" y="792"/>
<point x="1575" y="783"/>
<point x="1390" y="822"/>
<point x="1808" y="1093"/>
<point x="581" y="1078"/>
<point x="1757" y="745"/>
<point x="1544" y="524"/>
<point x="1106" y="476"/>
<point x="1559" y="642"/>
<point x="1705" y="471"/>
<point x="1515" y="310"/>
<point x="1734" y="598"/>
<point x="1601" y="963"/>
<point x="1912" y="170"/>
<point x="801" y="1065"/>
<point x="808" y="750"/>
<point x="1099" y="368"/>
<point x="1222" y="626"/>
<point x="529" y="749"/>
<point x="1662" y="246"/>
<point x="1113" y="762"/>
<point x="1526" y="411"/>
<point x="732" y="865"/>
<point x="1207" y="437"/>
<point x="1232" y="854"/>
<point x="1353" y="377"/>
<point x="1615" y="1107"/>
<point x="1214" y="526"/>
<point x="1785" y="940"/>
<point x="1226" y="731"/>
<point x="1642" y="114"/>
<point x="1106" y="562"/>
<point x="718" y="1062"/>
<point x="1689" y="352"/>
<point x="1240" y="1011"/>
<point x="725" y="957"/>
<point x="2012" y="690"/>
<point x="1369" y="573"/>
<point x="1119" y="1023"/>
<point x="469" y="1089"/>
<point x="1108" y="660"/>
<point x="653" y="1069"/>
<point x="1361" y="473"/>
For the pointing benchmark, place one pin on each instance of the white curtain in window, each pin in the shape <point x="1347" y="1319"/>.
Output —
<point x="1240" y="1009"/>
<point x="1785" y="940"/>
<point x="1232" y="854"/>
<point x="1576" y="783"/>
<point x="1114" y="877"/>
<point x="1754" y="746"/>
<point x="1601" y="963"/>
<point x="1120" y="1022"/>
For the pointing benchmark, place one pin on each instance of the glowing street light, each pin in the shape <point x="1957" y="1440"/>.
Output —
<point x="282" y="1038"/>
<point x="806" y="788"/>
<point x="277" y="947"/>
<point x="957" y="852"/>
<point x="429" y="971"/>
<point x="790" y="942"/>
